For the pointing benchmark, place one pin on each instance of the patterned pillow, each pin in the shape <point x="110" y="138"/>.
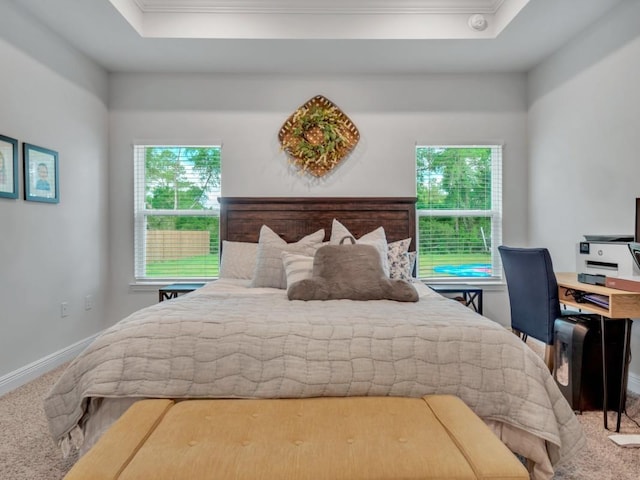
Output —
<point x="401" y="261"/>
<point x="402" y="266"/>
<point x="376" y="238"/>
<point x="269" y="271"/>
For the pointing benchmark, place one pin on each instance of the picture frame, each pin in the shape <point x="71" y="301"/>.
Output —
<point x="41" y="183"/>
<point x="8" y="167"/>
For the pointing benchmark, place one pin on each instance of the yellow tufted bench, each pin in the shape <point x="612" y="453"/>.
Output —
<point x="435" y="437"/>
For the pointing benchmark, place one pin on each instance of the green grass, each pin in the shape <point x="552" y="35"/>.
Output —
<point x="208" y="265"/>
<point x="199" y="266"/>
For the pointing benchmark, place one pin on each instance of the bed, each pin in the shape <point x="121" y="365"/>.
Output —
<point x="232" y="340"/>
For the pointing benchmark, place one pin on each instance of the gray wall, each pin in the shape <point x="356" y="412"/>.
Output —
<point x="51" y="253"/>
<point x="584" y="170"/>
<point x="392" y="113"/>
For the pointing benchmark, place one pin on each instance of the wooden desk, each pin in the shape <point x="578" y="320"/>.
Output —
<point x="623" y="306"/>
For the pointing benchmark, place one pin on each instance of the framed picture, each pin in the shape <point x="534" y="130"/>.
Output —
<point x="40" y="174"/>
<point x="8" y="167"/>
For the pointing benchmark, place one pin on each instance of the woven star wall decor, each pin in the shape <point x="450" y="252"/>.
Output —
<point x="318" y="136"/>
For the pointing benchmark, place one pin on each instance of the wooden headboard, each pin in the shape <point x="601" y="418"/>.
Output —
<point x="294" y="217"/>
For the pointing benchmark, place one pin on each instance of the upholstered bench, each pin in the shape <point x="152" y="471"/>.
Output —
<point x="435" y="437"/>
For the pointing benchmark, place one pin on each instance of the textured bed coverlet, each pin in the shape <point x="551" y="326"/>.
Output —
<point x="227" y="341"/>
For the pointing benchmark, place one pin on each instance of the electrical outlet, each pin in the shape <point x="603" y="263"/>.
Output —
<point x="88" y="302"/>
<point x="64" y="309"/>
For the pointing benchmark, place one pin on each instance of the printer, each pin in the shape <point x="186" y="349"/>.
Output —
<point x="608" y="255"/>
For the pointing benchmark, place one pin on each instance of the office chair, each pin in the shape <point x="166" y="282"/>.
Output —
<point x="533" y="295"/>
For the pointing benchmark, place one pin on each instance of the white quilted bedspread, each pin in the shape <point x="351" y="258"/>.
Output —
<point x="229" y="341"/>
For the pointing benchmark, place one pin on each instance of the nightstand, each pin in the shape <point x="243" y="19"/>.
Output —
<point x="175" y="289"/>
<point x="470" y="296"/>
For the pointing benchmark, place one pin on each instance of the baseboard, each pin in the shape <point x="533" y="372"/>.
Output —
<point x="633" y="383"/>
<point x="25" y="374"/>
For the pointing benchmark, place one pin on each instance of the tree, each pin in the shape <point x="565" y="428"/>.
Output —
<point x="182" y="178"/>
<point x="454" y="178"/>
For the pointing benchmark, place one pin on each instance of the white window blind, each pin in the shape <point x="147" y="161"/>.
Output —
<point x="459" y="189"/>
<point x="176" y="211"/>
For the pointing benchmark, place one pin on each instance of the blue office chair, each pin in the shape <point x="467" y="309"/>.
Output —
<point x="533" y="295"/>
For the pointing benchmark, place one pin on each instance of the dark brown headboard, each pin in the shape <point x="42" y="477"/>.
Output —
<point x="294" y="217"/>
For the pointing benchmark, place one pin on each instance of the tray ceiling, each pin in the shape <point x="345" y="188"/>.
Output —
<point x="319" y="19"/>
<point x="317" y="36"/>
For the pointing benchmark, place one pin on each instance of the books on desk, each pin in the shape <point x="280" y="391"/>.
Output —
<point x="600" y="300"/>
<point x="629" y="284"/>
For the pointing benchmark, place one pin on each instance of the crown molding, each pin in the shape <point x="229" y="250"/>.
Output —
<point x="327" y="7"/>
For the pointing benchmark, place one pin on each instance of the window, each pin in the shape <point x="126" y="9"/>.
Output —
<point x="176" y="212"/>
<point x="459" y="211"/>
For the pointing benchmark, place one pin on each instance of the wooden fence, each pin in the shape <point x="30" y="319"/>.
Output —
<point x="176" y="244"/>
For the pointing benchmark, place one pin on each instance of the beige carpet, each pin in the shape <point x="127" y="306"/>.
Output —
<point x="27" y="452"/>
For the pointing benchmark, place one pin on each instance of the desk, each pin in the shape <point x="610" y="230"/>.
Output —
<point x="623" y="306"/>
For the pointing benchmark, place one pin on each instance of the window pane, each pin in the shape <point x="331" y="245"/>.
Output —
<point x="181" y="246"/>
<point x="176" y="212"/>
<point x="457" y="178"/>
<point x="459" y="207"/>
<point x="181" y="178"/>
<point x="455" y="247"/>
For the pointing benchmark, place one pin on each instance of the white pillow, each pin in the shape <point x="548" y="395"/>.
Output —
<point x="297" y="267"/>
<point x="376" y="238"/>
<point x="269" y="271"/>
<point x="238" y="259"/>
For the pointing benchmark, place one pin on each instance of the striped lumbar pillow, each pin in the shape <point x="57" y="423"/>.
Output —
<point x="297" y="267"/>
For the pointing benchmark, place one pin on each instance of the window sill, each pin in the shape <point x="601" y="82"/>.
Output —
<point x="487" y="284"/>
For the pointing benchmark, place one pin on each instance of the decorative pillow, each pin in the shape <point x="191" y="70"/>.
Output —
<point x="297" y="267"/>
<point x="269" y="271"/>
<point x="238" y="259"/>
<point x="412" y="263"/>
<point x="397" y="258"/>
<point x="377" y="238"/>
<point x="350" y="272"/>
<point x="402" y="266"/>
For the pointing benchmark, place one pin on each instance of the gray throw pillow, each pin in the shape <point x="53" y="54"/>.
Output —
<point x="351" y="272"/>
<point x="377" y="238"/>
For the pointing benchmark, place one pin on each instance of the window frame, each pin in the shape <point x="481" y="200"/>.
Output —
<point x="495" y="214"/>
<point x="141" y="213"/>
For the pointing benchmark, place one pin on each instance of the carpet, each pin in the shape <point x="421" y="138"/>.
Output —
<point x="28" y="453"/>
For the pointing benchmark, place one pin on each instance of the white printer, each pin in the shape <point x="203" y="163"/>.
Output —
<point x="609" y="255"/>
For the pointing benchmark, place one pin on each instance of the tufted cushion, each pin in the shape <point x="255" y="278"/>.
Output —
<point x="429" y="438"/>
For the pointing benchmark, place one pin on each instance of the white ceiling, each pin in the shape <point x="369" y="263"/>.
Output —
<point x="319" y="19"/>
<point x="317" y="36"/>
